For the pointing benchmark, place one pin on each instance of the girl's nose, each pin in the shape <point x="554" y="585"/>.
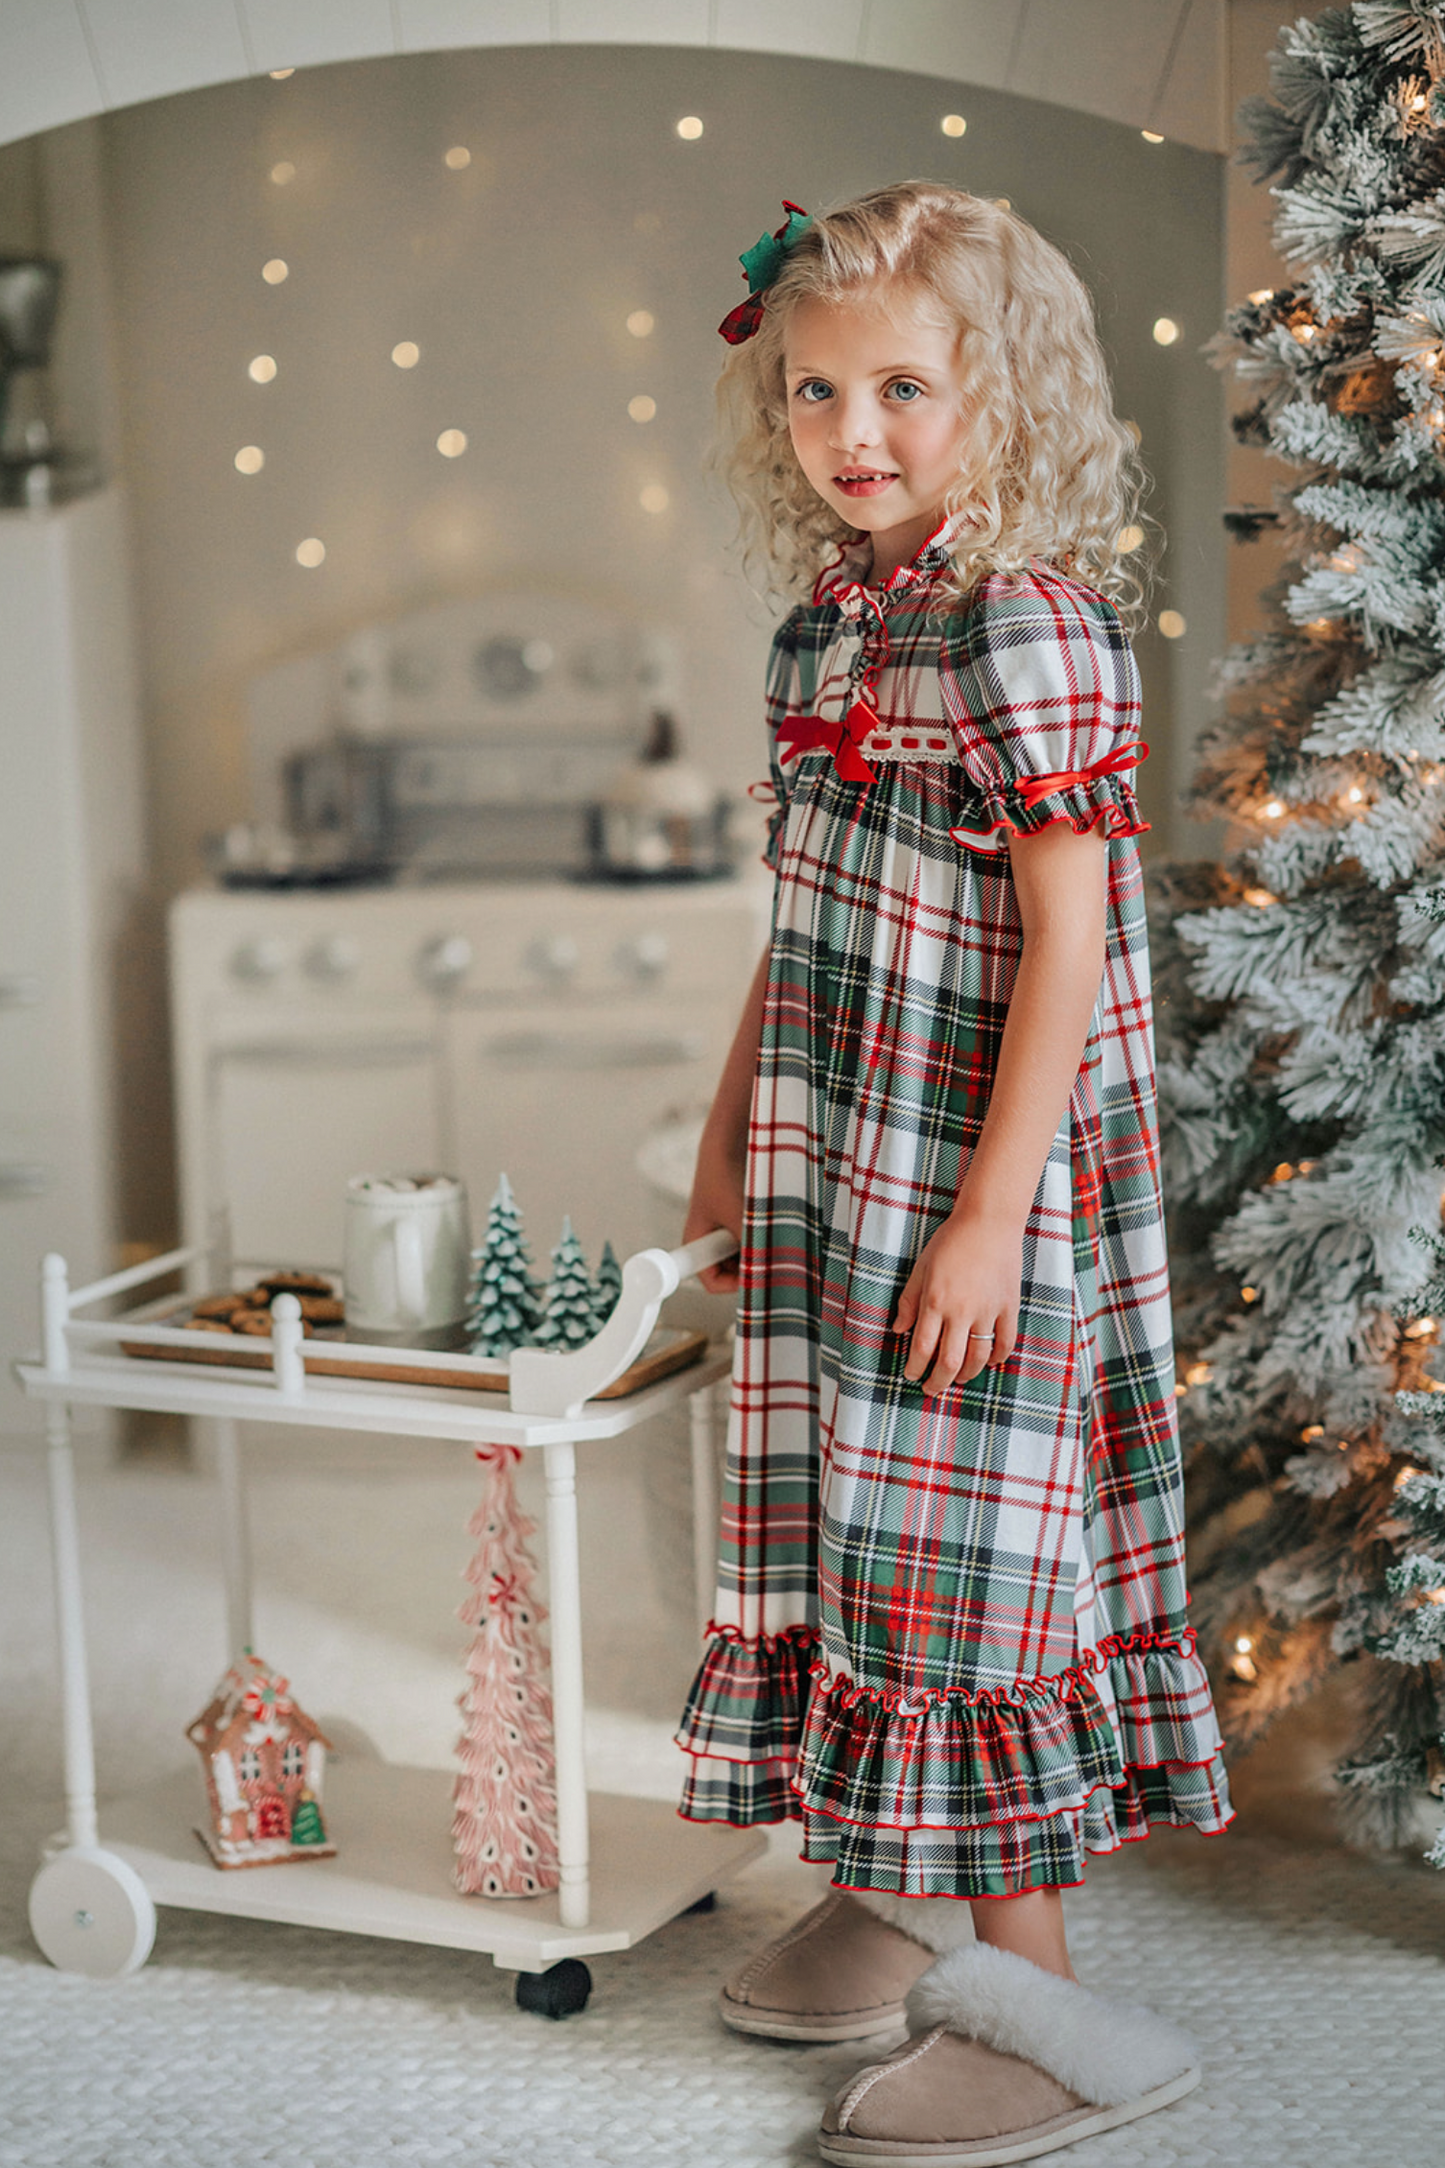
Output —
<point x="854" y="425"/>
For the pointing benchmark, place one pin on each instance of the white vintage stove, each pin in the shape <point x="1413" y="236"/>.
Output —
<point x="538" y="1029"/>
<point x="521" y="1019"/>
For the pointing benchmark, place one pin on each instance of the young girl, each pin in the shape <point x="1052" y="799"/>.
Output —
<point x="950" y="1630"/>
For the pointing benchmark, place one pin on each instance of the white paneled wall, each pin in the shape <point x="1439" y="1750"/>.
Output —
<point x="1125" y="60"/>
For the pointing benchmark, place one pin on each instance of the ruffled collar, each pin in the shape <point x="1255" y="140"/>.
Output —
<point x="844" y="581"/>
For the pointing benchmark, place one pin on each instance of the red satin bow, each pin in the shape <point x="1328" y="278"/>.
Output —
<point x="1034" y="787"/>
<point x="840" y="738"/>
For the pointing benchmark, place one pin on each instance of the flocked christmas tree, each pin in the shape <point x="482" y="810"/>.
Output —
<point x="1302" y="984"/>
<point x="608" y="1291"/>
<point x="1404" y="1752"/>
<point x="504" y="1831"/>
<point x="504" y="1307"/>
<point x="571" y="1299"/>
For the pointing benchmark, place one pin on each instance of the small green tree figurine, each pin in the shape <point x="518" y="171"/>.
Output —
<point x="609" y="1287"/>
<point x="504" y="1302"/>
<point x="570" y="1318"/>
<point x="306" y="1822"/>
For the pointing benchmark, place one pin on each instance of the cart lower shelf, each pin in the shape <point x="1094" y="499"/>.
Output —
<point x="392" y="1873"/>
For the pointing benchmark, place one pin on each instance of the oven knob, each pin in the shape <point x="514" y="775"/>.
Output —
<point x="445" y="961"/>
<point x="553" y="956"/>
<point x="645" y="958"/>
<point x="335" y="958"/>
<point x="262" y="959"/>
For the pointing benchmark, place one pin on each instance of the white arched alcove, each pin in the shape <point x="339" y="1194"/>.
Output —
<point x="1156" y="64"/>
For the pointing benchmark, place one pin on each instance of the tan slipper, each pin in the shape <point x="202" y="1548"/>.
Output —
<point x="839" y="1973"/>
<point x="1006" y="2062"/>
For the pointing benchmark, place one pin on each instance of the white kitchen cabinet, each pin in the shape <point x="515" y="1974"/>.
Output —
<point x="71" y="870"/>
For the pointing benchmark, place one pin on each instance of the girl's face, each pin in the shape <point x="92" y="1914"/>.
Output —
<point x="875" y="409"/>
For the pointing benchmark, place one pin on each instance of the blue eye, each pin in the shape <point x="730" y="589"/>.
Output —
<point x="814" y="391"/>
<point x="906" y="392"/>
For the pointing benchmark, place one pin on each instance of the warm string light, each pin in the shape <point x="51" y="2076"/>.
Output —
<point x="1172" y="624"/>
<point x="311" y="552"/>
<point x="276" y="271"/>
<point x="250" y="459"/>
<point x="1405" y="1475"/>
<point x="406" y="354"/>
<point x="953" y="124"/>
<point x="1127" y="539"/>
<point x="261" y="369"/>
<point x="1149" y="136"/>
<point x="1260" y="898"/>
<point x="1242" y="1662"/>
<point x="1249" y="1294"/>
<point x="1166" y="331"/>
<point x="642" y="408"/>
<point x="1273" y="809"/>
<point x="689" y="128"/>
<point x="653" y="497"/>
<point x="642" y="323"/>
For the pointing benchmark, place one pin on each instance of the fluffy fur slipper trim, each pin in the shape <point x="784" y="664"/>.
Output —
<point x="939" y="1923"/>
<point x="1105" y="2051"/>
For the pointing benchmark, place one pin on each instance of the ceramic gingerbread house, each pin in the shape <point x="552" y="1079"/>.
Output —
<point x="265" y="1763"/>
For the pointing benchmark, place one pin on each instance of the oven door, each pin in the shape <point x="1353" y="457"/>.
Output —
<point x="296" y="1107"/>
<point x="560" y="1102"/>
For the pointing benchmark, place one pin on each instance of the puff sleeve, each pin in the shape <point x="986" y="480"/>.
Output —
<point x="1041" y="690"/>
<point x="784" y="701"/>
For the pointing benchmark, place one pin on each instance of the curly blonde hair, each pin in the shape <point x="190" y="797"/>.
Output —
<point x="1049" y="471"/>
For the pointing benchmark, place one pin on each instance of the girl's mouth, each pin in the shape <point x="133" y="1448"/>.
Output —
<point x="863" y="482"/>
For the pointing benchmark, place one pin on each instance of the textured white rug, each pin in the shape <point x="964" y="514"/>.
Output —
<point x="1315" y="1981"/>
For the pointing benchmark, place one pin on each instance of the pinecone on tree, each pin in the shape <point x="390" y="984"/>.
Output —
<point x="504" y="1306"/>
<point x="1302" y="1014"/>
<point x="608" y="1291"/>
<point x="568" y="1321"/>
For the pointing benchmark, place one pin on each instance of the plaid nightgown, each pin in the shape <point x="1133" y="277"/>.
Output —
<point x="950" y="1631"/>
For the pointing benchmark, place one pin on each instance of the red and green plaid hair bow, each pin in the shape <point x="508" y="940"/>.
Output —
<point x="761" y="265"/>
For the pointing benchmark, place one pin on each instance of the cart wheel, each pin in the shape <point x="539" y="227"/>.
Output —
<point x="561" y="1991"/>
<point x="90" y="1912"/>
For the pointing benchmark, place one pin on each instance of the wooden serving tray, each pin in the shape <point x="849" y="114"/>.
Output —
<point x="325" y="1355"/>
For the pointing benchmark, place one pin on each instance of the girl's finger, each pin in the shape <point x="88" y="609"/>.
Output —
<point x="907" y="1309"/>
<point x="956" y="1362"/>
<point x="922" y="1345"/>
<point x="1005" y="1337"/>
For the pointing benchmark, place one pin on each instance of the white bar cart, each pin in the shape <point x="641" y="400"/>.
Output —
<point x="627" y="1865"/>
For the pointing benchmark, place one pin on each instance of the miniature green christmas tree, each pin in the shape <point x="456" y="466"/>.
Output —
<point x="608" y="1291"/>
<point x="504" y="1306"/>
<point x="570" y="1317"/>
<point x="306" y="1822"/>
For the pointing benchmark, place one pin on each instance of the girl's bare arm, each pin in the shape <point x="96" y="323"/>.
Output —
<point x="717" y="1189"/>
<point x="962" y="1298"/>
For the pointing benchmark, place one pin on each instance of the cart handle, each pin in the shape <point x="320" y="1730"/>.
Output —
<point x="543" y="1383"/>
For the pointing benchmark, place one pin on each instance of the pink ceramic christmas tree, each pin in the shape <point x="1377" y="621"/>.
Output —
<point x="504" y="1831"/>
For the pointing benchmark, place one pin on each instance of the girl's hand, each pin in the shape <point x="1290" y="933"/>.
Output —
<point x="717" y="1201"/>
<point x="961" y="1303"/>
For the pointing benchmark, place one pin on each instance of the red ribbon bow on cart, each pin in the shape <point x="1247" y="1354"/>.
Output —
<point x="841" y="739"/>
<point x="1032" y="788"/>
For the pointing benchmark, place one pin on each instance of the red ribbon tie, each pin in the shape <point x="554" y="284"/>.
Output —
<point x="1033" y="788"/>
<point x="840" y="738"/>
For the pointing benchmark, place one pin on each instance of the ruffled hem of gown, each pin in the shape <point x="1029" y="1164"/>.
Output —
<point x="1107" y="804"/>
<point x="988" y="1792"/>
